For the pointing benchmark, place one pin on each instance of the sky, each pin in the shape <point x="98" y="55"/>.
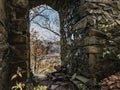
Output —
<point x="53" y="19"/>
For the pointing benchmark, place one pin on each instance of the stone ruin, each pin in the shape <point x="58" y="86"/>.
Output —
<point x="84" y="24"/>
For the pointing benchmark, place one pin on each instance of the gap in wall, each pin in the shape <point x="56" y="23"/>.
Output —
<point x="44" y="40"/>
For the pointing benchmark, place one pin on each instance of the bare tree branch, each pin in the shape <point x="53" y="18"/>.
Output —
<point x="36" y="12"/>
<point x="46" y="28"/>
<point x="39" y="14"/>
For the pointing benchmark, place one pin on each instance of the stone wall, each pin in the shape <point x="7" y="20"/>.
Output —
<point x="86" y="27"/>
<point x="3" y="48"/>
<point x="84" y="39"/>
<point x="17" y="22"/>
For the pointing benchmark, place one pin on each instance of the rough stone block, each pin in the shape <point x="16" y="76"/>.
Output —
<point x="93" y="40"/>
<point x="117" y="39"/>
<point x="93" y="49"/>
<point x="21" y="3"/>
<point x="81" y="24"/>
<point x="19" y="25"/>
<point x="18" y="39"/>
<point x="100" y="1"/>
<point x="21" y="51"/>
<point x="2" y="37"/>
<point x="3" y="47"/>
<point x="18" y="52"/>
<point x="0" y="59"/>
<point x="2" y="15"/>
<point x="21" y="15"/>
<point x="98" y="33"/>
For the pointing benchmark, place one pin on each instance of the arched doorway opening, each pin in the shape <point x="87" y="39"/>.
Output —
<point x="44" y="40"/>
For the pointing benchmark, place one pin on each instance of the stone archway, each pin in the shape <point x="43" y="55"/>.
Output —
<point x="81" y="45"/>
<point x="18" y="50"/>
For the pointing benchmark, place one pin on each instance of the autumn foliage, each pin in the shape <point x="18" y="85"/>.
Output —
<point x="111" y="83"/>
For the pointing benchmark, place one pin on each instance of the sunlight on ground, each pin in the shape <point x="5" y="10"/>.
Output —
<point x="40" y="88"/>
<point x="47" y="65"/>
